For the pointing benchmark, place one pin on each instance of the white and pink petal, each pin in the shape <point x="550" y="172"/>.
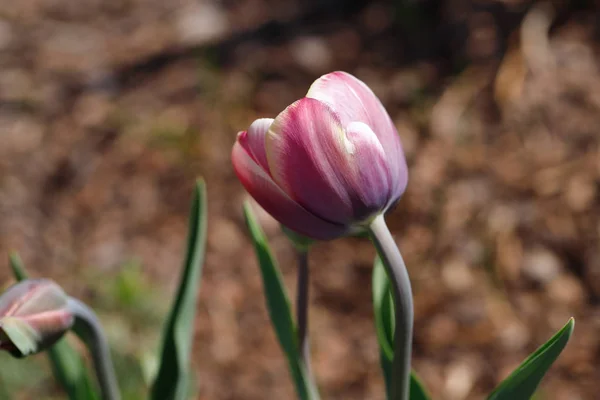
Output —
<point x="253" y="140"/>
<point x="305" y="159"/>
<point x="353" y="101"/>
<point x="368" y="171"/>
<point x="276" y="202"/>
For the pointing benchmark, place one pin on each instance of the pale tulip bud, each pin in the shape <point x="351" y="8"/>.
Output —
<point x="33" y="315"/>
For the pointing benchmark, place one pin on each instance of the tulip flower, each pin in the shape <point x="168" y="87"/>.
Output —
<point x="33" y="315"/>
<point x="328" y="164"/>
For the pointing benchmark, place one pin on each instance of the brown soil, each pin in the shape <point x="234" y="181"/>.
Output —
<point x="110" y="109"/>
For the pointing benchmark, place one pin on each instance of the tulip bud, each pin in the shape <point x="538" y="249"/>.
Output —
<point x="328" y="164"/>
<point x="33" y="315"/>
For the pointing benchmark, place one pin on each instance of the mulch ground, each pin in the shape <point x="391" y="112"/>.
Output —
<point x="110" y="109"/>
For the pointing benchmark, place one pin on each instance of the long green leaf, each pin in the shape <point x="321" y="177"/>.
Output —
<point x="279" y="308"/>
<point x="4" y="393"/>
<point x="16" y="265"/>
<point x="417" y="390"/>
<point x="384" y="313"/>
<point x="523" y="382"/>
<point x="384" y="325"/>
<point x="67" y="365"/>
<point x="70" y="370"/>
<point x="171" y="382"/>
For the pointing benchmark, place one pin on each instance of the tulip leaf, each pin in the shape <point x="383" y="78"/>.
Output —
<point x="523" y="382"/>
<point x="279" y="308"/>
<point x="69" y="369"/>
<point x="383" y="305"/>
<point x="21" y="335"/>
<point x="171" y="382"/>
<point x="66" y="363"/>
<point x="16" y="264"/>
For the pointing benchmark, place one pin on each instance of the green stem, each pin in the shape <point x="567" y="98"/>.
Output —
<point x="302" y="308"/>
<point x="302" y="300"/>
<point x="403" y="306"/>
<point x="89" y="329"/>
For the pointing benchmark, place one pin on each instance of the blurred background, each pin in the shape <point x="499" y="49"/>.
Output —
<point x="109" y="109"/>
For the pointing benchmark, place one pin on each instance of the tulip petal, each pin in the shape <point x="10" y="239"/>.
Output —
<point x="305" y="149"/>
<point x="253" y="141"/>
<point x="276" y="202"/>
<point x="370" y="175"/>
<point x="354" y="101"/>
<point x="340" y="175"/>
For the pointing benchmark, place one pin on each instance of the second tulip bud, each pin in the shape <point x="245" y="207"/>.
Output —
<point x="34" y="314"/>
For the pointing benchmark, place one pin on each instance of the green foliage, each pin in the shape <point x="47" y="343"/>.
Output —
<point x="279" y="308"/>
<point x="384" y="309"/>
<point x="172" y="380"/>
<point x="129" y="296"/>
<point x="133" y="311"/>
<point x="67" y="366"/>
<point x="300" y="242"/>
<point x="384" y="325"/>
<point x="523" y="382"/>
<point x="17" y="375"/>
<point x="130" y="375"/>
<point x="70" y="371"/>
<point x="128" y="288"/>
<point x="16" y="265"/>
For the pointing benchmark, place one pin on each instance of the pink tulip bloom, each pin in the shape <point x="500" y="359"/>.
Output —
<point x="326" y="165"/>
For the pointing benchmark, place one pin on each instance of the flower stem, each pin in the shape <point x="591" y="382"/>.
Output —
<point x="302" y="307"/>
<point x="88" y="328"/>
<point x="403" y="306"/>
<point x="302" y="300"/>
